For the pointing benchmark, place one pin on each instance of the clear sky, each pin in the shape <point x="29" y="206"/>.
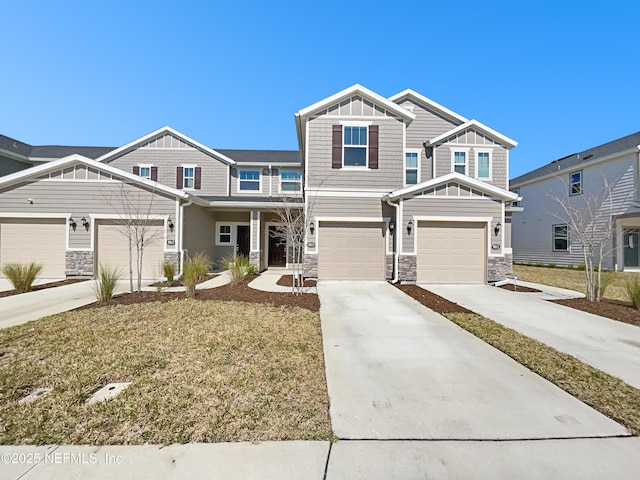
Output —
<point x="557" y="76"/>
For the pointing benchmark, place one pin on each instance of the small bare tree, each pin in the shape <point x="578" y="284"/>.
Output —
<point x="290" y="230"/>
<point x="135" y="222"/>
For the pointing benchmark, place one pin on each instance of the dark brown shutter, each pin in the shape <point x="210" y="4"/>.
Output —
<point x="136" y="170"/>
<point x="373" y="147"/>
<point x="197" y="181"/>
<point x="154" y="174"/>
<point x="336" y="152"/>
<point x="179" y="178"/>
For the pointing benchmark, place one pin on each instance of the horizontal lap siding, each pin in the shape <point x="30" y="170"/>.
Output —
<point x="199" y="230"/>
<point x="348" y="207"/>
<point x="499" y="158"/>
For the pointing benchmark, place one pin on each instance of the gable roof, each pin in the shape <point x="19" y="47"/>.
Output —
<point x="61" y="151"/>
<point x="14" y="148"/>
<point x="476" y="125"/>
<point x="444" y="111"/>
<point x="629" y="143"/>
<point x="452" y="177"/>
<point x="161" y="131"/>
<point x="54" y="165"/>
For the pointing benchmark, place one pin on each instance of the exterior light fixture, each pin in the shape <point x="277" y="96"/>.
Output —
<point x="72" y="223"/>
<point x="85" y="223"/>
<point x="170" y="224"/>
<point x="312" y="227"/>
<point x="392" y="225"/>
<point x="497" y="228"/>
<point x="409" y="227"/>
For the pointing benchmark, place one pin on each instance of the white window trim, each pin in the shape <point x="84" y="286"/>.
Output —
<point x="517" y="192"/>
<point x="184" y="177"/>
<point x="553" y="237"/>
<point x="490" y="152"/>
<point x="366" y="148"/>
<point x="455" y="150"/>
<point x="259" y="170"/>
<point x="234" y="233"/>
<point x="411" y="150"/>
<point x="571" y="183"/>
<point x="293" y="192"/>
<point x="148" y="165"/>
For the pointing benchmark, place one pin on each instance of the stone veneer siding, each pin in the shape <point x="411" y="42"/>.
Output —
<point x="389" y="269"/>
<point x="254" y="260"/>
<point x="407" y="268"/>
<point x="310" y="267"/>
<point x="173" y="257"/>
<point x="499" y="267"/>
<point x="78" y="263"/>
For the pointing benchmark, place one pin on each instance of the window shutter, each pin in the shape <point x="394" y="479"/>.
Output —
<point x="154" y="174"/>
<point x="179" y="178"/>
<point x="373" y="147"/>
<point x="136" y="170"/>
<point x="197" y="181"/>
<point x="336" y="153"/>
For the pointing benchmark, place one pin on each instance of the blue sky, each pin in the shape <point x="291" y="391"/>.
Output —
<point x="558" y="77"/>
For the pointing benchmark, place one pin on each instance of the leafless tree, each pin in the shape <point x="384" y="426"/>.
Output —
<point x="290" y="230"/>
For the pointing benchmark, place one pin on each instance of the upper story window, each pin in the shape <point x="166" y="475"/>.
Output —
<point x="560" y="238"/>
<point x="576" y="183"/>
<point x="459" y="159"/>
<point x="189" y="177"/>
<point x="411" y="168"/>
<point x="483" y="164"/>
<point x="517" y="192"/>
<point x="290" y="181"/>
<point x="249" y="180"/>
<point x="355" y="147"/>
<point x="146" y="171"/>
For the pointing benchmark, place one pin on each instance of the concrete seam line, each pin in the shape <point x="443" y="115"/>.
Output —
<point x="35" y="465"/>
<point x="326" y="465"/>
<point x="488" y="440"/>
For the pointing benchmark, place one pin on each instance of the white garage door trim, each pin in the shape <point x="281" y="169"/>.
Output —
<point x="445" y="253"/>
<point x="340" y="260"/>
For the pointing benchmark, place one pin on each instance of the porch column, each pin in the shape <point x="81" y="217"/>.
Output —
<point x="255" y="253"/>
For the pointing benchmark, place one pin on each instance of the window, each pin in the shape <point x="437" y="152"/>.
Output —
<point x="483" y="164"/>
<point x="290" y="181"/>
<point x="355" y="147"/>
<point x="517" y="192"/>
<point x="224" y="234"/>
<point x="145" y="172"/>
<point x="189" y="177"/>
<point x="249" y="180"/>
<point x="460" y="162"/>
<point x="576" y="183"/>
<point x="411" y="176"/>
<point x="560" y="238"/>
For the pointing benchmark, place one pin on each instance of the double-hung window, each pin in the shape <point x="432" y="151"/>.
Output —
<point x="411" y="175"/>
<point x="290" y="181"/>
<point x="249" y="181"/>
<point x="560" y="238"/>
<point x="224" y="234"/>
<point x="460" y="161"/>
<point x="355" y="146"/>
<point x="145" y="171"/>
<point x="483" y="164"/>
<point x="576" y="183"/>
<point x="188" y="177"/>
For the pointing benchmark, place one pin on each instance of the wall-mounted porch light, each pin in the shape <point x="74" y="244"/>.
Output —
<point x="72" y="223"/>
<point x="497" y="228"/>
<point x="409" y="227"/>
<point x="170" y="224"/>
<point x="312" y="227"/>
<point x="85" y="223"/>
<point x="392" y="225"/>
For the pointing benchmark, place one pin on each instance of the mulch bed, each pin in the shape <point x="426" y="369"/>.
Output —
<point x="521" y="288"/>
<point x="431" y="300"/>
<point x="620" y="311"/>
<point x="287" y="281"/>
<point x="239" y="293"/>
<point x="178" y="283"/>
<point x="44" y="286"/>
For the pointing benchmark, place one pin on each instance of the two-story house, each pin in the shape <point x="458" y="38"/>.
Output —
<point x="396" y="188"/>
<point x="600" y="183"/>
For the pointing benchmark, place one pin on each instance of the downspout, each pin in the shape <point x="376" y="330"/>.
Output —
<point x="397" y="238"/>
<point x="182" y="207"/>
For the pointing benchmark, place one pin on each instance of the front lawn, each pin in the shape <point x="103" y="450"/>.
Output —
<point x="207" y="371"/>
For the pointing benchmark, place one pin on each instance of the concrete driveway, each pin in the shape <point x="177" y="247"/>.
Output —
<point x="397" y="370"/>
<point x="613" y="347"/>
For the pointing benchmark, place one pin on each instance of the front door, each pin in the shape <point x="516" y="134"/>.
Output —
<point x="242" y="237"/>
<point x="277" y="250"/>
<point x="631" y="248"/>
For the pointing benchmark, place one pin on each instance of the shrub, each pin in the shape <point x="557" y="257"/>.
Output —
<point x="581" y="268"/>
<point x="552" y="265"/>
<point x="169" y="271"/>
<point x="106" y="284"/>
<point x="195" y="269"/>
<point x="22" y="276"/>
<point x="251" y="270"/>
<point x="237" y="266"/>
<point x="539" y="265"/>
<point x="633" y="290"/>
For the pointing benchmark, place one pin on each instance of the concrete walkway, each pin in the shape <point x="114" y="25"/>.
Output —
<point x="613" y="347"/>
<point x="269" y="283"/>
<point x="397" y="370"/>
<point x="223" y="278"/>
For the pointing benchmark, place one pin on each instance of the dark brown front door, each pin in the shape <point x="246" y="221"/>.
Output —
<point x="277" y="250"/>
<point x="243" y="240"/>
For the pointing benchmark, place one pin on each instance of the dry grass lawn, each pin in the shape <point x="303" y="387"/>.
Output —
<point x="200" y="371"/>
<point x="573" y="279"/>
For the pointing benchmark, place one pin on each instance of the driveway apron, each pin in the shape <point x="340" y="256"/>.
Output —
<point x="613" y="347"/>
<point x="397" y="370"/>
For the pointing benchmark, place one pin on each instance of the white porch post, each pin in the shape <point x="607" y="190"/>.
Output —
<point x="255" y="254"/>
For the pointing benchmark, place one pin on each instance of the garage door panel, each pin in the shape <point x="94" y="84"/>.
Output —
<point x="38" y="240"/>
<point x="451" y="252"/>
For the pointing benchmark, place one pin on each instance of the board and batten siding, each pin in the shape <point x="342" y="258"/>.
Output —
<point x="421" y="206"/>
<point x="214" y="172"/>
<point x="532" y="229"/>
<point x="389" y="174"/>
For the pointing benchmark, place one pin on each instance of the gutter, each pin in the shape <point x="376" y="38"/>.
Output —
<point x="397" y="238"/>
<point x="182" y="207"/>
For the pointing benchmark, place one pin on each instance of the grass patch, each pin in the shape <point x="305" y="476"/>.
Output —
<point x="605" y="393"/>
<point x="200" y="371"/>
<point x="574" y="279"/>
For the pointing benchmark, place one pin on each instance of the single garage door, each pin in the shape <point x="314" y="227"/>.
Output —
<point x="112" y="249"/>
<point x="40" y="240"/>
<point x="451" y="252"/>
<point x="351" y="251"/>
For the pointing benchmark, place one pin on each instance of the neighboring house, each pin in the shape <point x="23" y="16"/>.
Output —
<point x="540" y="231"/>
<point x="399" y="188"/>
